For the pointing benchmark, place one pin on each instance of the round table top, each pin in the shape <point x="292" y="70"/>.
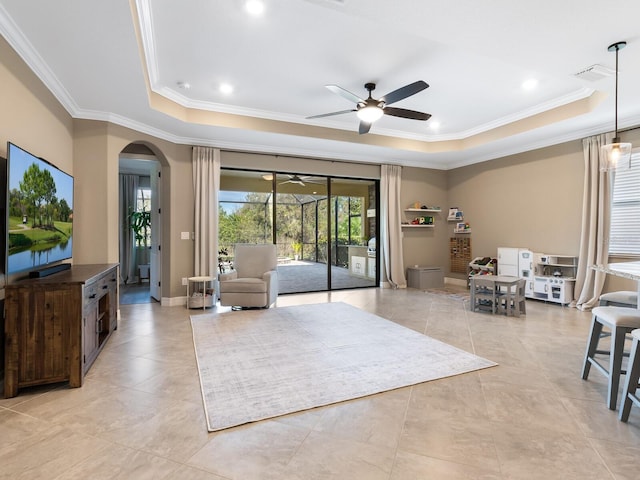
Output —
<point x="201" y="279"/>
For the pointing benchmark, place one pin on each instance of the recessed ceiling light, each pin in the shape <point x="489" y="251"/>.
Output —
<point x="434" y="125"/>
<point x="254" y="7"/>
<point x="529" y="84"/>
<point x="183" y="85"/>
<point x="226" y="88"/>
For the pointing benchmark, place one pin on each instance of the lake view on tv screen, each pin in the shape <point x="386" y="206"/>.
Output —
<point x="40" y="212"/>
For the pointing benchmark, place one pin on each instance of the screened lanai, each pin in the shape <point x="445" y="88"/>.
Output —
<point x="324" y="227"/>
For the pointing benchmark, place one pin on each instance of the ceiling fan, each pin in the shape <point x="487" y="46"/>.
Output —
<point x="301" y="180"/>
<point x="369" y="110"/>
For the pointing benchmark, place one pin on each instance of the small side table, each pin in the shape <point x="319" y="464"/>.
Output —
<point x="201" y="294"/>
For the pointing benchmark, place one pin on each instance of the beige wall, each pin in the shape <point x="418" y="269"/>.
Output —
<point x="97" y="150"/>
<point x="31" y="116"/>
<point x="425" y="246"/>
<point x="531" y="200"/>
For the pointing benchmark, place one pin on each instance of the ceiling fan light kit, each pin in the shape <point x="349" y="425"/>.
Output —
<point x="370" y="113"/>
<point x="371" y="109"/>
<point x="616" y="155"/>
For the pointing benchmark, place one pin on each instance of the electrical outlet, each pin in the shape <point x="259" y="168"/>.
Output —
<point x="184" y="281"/>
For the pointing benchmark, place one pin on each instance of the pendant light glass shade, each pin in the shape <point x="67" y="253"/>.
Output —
<point x="616" y="155"/>
<point x="370" y="113"/>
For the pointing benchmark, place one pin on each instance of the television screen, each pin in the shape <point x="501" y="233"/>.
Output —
<point x="39" y="211"/>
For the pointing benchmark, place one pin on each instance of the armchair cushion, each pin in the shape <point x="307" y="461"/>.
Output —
<point x="244" y="285"/>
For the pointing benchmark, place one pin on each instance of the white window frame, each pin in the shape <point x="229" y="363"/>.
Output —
<point x="624" y="231"/>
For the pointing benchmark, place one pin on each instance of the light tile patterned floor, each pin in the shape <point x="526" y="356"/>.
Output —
<point x="139" y="414"/>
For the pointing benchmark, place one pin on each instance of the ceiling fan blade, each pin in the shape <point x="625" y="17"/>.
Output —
<point x="404" y="113"/>
<point x="352" y="97"/>
<point x="331" y="114"/>
<point x="310" y="179"/>
<point x="364" y="128"/>
<point x="404" y="92"/>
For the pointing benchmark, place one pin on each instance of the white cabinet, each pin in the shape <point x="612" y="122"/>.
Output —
<point x="371" y="267"/>
<point x="358" y="266"/>
<point x="361" y="264"/>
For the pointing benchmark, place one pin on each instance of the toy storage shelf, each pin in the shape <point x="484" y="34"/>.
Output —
<point x="413" y="211"/>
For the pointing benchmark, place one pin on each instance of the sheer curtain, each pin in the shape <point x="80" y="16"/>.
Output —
<point x="390" y="213"/>
<point x="206" y="184"/>
<point x="596" y="212"/>
<point x="128" y="194"/>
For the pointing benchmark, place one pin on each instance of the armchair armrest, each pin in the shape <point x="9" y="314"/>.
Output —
<point x="223" y="277"/>
<point x="268" y="276"/>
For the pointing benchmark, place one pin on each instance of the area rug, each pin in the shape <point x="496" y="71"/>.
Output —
<point x="463" y="296"/>
<point x="259" y="364"/>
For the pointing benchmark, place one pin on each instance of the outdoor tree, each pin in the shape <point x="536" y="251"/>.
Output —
<point x="64" y="211"/>
<point x="38" y="188"/>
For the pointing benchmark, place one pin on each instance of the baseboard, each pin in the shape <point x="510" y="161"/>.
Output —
<point x="173" y="301"/>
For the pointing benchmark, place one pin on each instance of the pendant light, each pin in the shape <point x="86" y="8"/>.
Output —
<point x="616" y="155"/>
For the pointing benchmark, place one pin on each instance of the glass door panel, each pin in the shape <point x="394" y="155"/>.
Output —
<point x="245" y="212"/>
<point x="353" y="233"/>
<point x="300" y="233"/>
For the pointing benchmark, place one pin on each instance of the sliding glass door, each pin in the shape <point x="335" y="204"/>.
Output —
<point x="324" y="227"/>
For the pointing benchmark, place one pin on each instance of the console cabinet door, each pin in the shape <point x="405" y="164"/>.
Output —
<point x="37" y="327"/>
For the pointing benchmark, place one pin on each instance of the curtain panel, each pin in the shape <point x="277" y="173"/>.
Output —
<point x="596" y="215"/>
<point x="206" y="185"/>
<point x="390" y="218"/>
<point x="128" y="199"/>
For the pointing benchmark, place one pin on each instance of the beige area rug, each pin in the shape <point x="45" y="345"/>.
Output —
<point x="259" y="364"/>
<point x="464" y="296"/>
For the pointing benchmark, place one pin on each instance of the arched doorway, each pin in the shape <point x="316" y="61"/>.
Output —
<point x="140" y="225"/>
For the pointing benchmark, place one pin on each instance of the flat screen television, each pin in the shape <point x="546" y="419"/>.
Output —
<point x="39" y="212"/>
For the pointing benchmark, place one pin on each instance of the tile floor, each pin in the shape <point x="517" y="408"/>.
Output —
<point x="140" y="416"/>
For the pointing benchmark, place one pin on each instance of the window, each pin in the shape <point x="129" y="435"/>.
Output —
<point x="143" y="208"/>
<point x="624" y="236"/>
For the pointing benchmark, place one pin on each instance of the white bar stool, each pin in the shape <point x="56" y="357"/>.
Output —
<point x="633" y="376"/>
<point x="620" y="321"/>
<point x="623" y="298"/>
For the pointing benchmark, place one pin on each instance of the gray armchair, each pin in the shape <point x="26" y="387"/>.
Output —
<point x="254" y="282"/>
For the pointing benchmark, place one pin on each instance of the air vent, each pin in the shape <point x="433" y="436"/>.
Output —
<point x="595" y="73"/>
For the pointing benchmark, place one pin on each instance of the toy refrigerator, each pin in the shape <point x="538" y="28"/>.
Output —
<point x="517" y="262"/>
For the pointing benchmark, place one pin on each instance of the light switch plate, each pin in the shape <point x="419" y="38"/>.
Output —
<point x="185" y="235"/>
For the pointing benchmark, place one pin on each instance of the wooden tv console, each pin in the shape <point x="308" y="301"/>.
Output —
<point x="56" y="325"/>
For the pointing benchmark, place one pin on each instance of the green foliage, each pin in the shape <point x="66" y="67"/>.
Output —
<point x="140" y="223"/>
<point x="300" y="227"/>
<point x="37" y="238"/>
<point x="37" y="199"/>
